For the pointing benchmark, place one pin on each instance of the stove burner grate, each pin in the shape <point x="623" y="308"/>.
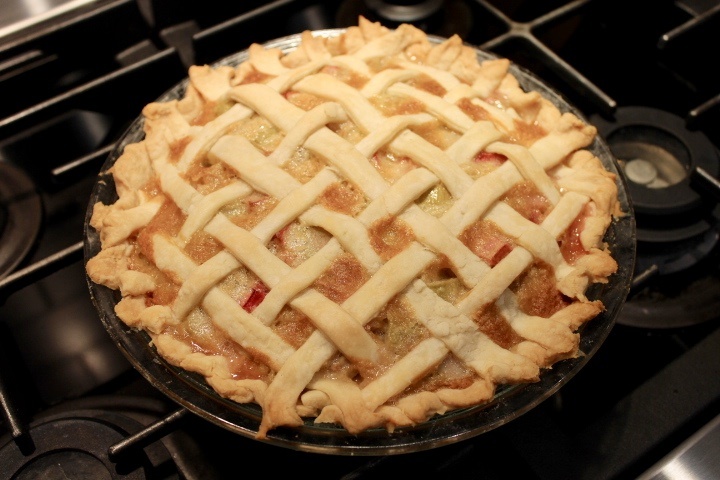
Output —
<point x="77" y="440"/>
<point x="20" y="217"/>
<point x="678" y="224"/>
<point x="659" y="156"/>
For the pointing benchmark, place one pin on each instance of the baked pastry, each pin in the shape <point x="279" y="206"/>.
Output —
<point x="368" y="231"/>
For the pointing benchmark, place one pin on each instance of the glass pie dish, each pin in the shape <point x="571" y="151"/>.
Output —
<point x="192" y="392"/>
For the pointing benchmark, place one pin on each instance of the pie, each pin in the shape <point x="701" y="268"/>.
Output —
<point x="367" y="231"/>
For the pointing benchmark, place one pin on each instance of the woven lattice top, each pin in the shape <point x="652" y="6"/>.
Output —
<point x="369" y="230"/>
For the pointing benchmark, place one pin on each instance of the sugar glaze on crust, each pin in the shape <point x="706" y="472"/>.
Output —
<point x="368" y="231"/>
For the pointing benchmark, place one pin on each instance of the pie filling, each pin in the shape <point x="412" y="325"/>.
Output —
<point x="369" y="230"/>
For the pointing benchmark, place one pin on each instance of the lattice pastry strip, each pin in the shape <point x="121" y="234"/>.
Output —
<point x="293" y="204"/>
<point x="448" y="112"/>
<point x="210" y="133"/>
<point x="423" y="332"/>
<point x="410" y="262"/>
<point x="201" y="212"/>
<point x="465" y="340"/>
<point x="276" y="182"/>
<point x="391" y="202"/>
<point x="365" y="115"/>
<point x="474" y="140"/>
<point x="253" y="254"/>
<point x="363" y="305"/>
<point x="432" y="232"/>
<point x="492" y="285"/>
<point x="479" y="197"/>
<point x="349" y="162"/>
<point x="267" y="177"/>
<point x="505" y="120"/>
<point x="308" y="124"/>
<point x="240" y="325"/>
<point x="530" y="236"/>
<point x="528" y="168"/>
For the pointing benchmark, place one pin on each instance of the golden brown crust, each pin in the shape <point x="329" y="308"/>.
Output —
<point x="369" y="230"/>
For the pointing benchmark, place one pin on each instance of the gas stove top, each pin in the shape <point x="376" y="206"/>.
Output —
<point x="73" y="82"/>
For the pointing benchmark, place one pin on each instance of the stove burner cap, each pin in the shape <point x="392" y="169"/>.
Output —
<point x="443" y="18"/>
<point x="658" y="154"/>
<point x="404" y="10"/>
<point x="20" y="216"/>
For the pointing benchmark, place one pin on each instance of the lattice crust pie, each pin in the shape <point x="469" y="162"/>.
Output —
<point x="368" y="231"/>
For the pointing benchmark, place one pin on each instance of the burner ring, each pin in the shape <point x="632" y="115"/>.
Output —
<point x="76" y="444"/>
<point x="661" y="133"/>
<point x="660" y="153"/>
<point x="21" y="215"/>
